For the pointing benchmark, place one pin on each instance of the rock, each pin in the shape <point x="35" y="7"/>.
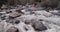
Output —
<point x="14" y="10"/>
<point x="17" y="22"/>
<point x="27" y="21"/>
<point x="10" y="11"/>
<point x="12" y="29"/>
<point x="39" y="26"/>
<point x="13" y="21"/>
<point x="3" y="17"/>
<point x="4" y="7"/>
<point x="10" y="21"/>
<point x="14" y="14"/>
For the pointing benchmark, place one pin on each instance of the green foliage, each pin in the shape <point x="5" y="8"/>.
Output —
<point x="43" y="3"/>
<point x="58" y="4"/>
<point x="49" y="3"/>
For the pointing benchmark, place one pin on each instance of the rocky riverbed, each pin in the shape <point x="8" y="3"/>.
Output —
<point x="29" y="19"/>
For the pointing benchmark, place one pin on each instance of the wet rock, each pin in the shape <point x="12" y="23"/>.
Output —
<point x="14" y="14"/>
<point x="12" y="29"/>
<point x="9" y="21"/>
<point x="13" y="21"/>
<point x="11" y="17"/>
<point x="9" y="12"/>
<point x="27" y="22"/>
<point x="39" y="26"/>
<point x="41" y="20"/>
<point x="3" y="17"/>
<point x="17" y="22"/>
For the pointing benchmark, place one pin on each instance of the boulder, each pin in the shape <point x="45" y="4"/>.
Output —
<point x="13" y="21"/>
<point x="14" y="14"/>
<point x="12" y="29"/>
<point x="39" y="26"/>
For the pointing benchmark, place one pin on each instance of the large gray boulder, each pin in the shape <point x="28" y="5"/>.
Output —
<point x="12" y="29"/>
<point x="39" y="26"/>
